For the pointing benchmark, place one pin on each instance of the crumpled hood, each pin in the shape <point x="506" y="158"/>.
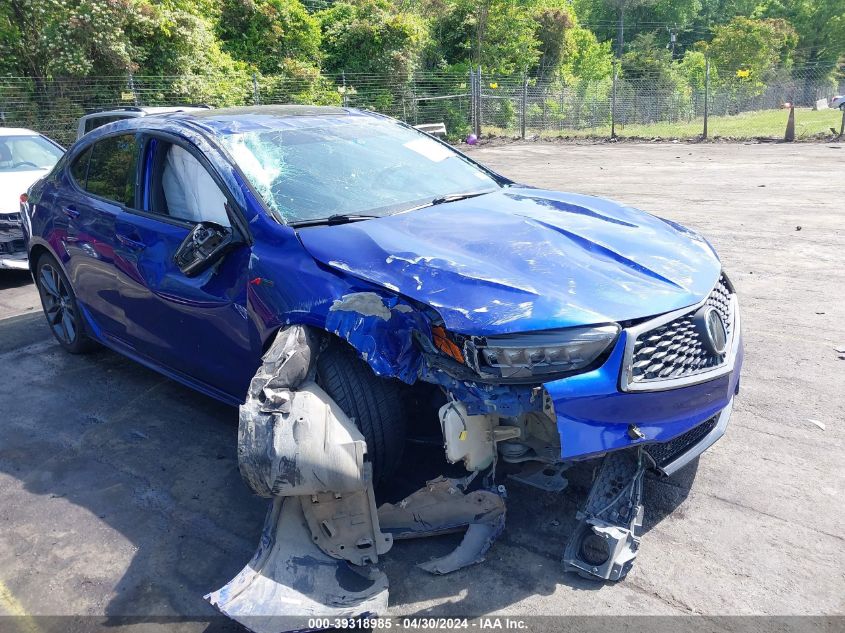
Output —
<point x="525" y="259"/>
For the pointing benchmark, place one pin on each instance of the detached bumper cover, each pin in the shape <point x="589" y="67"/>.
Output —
<point x="595" y="416"/>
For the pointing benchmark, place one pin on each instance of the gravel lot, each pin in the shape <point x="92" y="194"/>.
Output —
<point x="120" y="493"/>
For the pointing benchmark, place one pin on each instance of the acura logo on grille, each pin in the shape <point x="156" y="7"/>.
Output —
<point x="712" y="330"/>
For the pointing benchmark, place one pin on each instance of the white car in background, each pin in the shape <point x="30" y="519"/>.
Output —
<point x="25" y="157"/>
<point x="838" y="102"/>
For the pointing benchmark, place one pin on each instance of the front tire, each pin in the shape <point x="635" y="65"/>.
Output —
<point x="375" y="405"/>
<point x="60" y="306"/>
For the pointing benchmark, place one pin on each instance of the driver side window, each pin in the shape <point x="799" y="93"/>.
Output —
<point x="180" y="187"/>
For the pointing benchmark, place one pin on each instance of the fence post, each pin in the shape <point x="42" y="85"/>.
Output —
<point x="256" y="96"/>
<point x="345" y="98"/>
<point x="478" y="105"/>
<point x="613" y="101"/>
<point x="560" y="113"/>
<point x="842" y="125"/>
<point x="472" y="100"/>
<point x="706" y="95"/>
<point x="522" y="109"/>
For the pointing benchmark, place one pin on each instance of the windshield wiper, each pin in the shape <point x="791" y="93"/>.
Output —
<point x="452" y="197"/>
<point x="346" y="218"/>
<point x="337" y="218"/>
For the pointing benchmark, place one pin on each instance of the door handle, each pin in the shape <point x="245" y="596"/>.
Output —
<point x="71" y="212"/>
<point x="130" y="243"/>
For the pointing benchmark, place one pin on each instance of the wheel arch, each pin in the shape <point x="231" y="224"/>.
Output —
<point x="382" y="365"/>
<point x="380" y="328"/>
<point x="35" y="253"/>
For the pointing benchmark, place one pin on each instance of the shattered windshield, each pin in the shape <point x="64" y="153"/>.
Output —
<point x="358" y="166"/>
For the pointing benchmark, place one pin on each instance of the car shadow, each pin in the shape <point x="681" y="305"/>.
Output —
<point x="14" y="279"/>
<point x="154" y="467"/>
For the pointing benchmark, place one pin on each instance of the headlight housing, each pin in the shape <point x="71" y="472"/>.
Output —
<point x="544" y="353"/>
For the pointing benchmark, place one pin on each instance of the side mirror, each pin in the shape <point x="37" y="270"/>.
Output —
<point x="203" y="247"/>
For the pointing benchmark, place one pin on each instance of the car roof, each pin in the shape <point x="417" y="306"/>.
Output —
<point x="17" y="131"/>
<point x="221" y="122"/>
<point x="225" y="121"/>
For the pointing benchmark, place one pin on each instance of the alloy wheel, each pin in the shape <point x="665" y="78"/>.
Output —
<point x="58" y="304"/>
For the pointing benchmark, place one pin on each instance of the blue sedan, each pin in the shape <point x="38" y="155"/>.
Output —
<point x="341" y="271"/>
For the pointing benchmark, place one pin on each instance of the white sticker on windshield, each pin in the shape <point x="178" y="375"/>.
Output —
<point x="432" y="150"/>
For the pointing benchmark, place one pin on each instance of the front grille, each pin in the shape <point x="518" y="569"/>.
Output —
<point x="667" y="452"/>
<point x="676" y="349"/>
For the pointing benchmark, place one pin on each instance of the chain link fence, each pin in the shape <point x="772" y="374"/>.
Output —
<point x="727" y="104"/>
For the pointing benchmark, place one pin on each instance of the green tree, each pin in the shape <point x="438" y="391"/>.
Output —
<point x="647" y="60"/>
<point x="819" y="24"/>
<point x="269" y="33"/>
<point x="451" y="33"/>
<point x="366" y="36"/>
<point x="752" y="46"/>
<point x="553" y="24"/>
<point x="693" y="67"/>
<point x="587" y="59"/>
<point x="613" y="19"/>
<point x="41" y="38"/>
<point x="505" y="41"/>
<point x="180" y="39"/>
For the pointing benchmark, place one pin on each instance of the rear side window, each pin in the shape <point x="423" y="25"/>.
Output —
<point x="111" y="169"/>
<point x="79" y="168"/>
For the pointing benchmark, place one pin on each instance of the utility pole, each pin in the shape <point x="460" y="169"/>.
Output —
<point x="620" y="31"/>
<point x="673" y="40"/>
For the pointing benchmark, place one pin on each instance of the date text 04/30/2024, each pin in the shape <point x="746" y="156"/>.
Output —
<point x="485" y="623"/>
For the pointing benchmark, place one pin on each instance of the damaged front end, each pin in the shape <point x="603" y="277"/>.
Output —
<point x="323" y="535"/>
<point x="321" y="539"/>
<point x="533" y="403"/>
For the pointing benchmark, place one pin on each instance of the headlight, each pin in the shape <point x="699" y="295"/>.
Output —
<point x="547" y="352"/>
